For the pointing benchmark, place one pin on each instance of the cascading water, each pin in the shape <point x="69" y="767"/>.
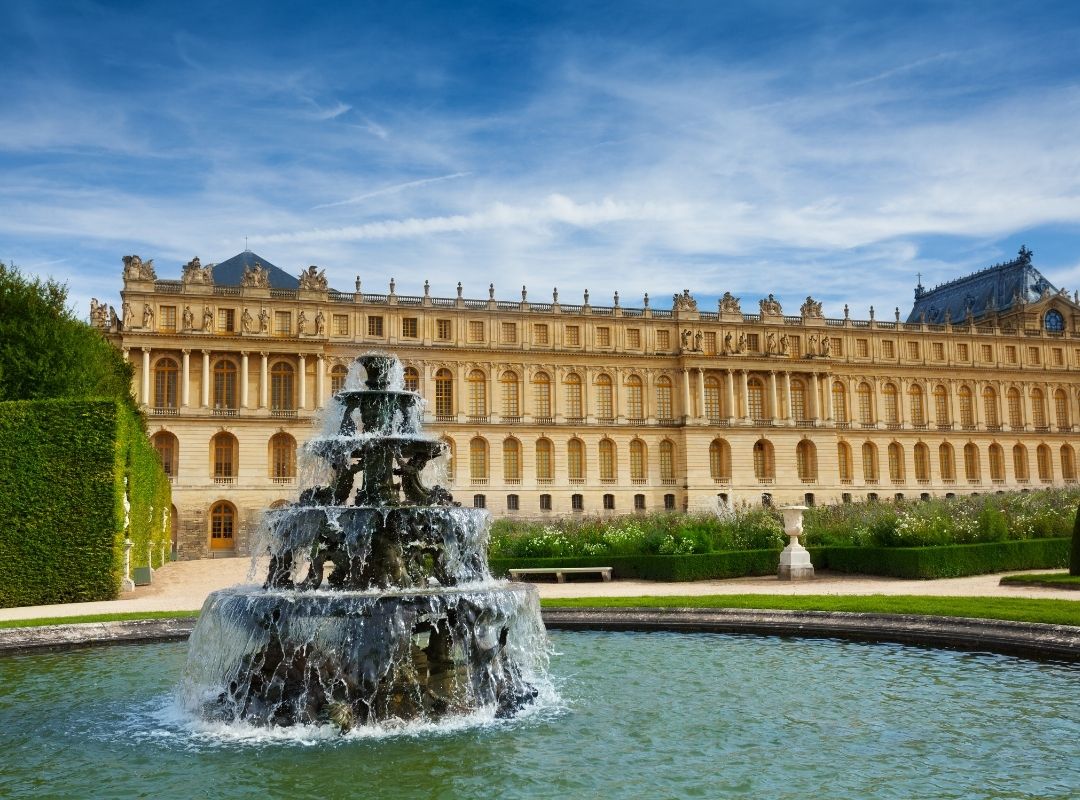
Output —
<point x="378" y="604"/>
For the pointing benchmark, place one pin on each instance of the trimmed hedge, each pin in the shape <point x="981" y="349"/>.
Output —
<point x="63" y="468"/>
<point x="948" y="561"/>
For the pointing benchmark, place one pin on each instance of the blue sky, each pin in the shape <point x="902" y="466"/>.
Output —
<point x="825" y="148"/>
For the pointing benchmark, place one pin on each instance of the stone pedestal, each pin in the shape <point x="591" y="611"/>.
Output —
<point x="794" y="559"/>
<point x="126" y="583"/>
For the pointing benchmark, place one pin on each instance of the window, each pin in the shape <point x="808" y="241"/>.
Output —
<point x="338" y="374"/>
<point x="941" y="405"/>
<point x="573" y="335"/>
<point x="1061" y="409"/>
<point x="843" y="459"/>
<point x="669" y="502"/>
<point x="573" y="396"/>
<point x="962" y="352"/>
<point x="947" y="462"/>
<point x="222" y="525"/>
<point x="763" y="460"/>
<point x="1038" y="409"/>
<point x="888" y="349"/>
<point x="839" y="402"/>
<point x="444" y="393"/>
<point x="442" y="330"/>
<point x="477" y="394"/>
<point x="967" y="410"/>
<point x="987" y="351"/>
<point x="511" y="502"/>
<point x="756" y="395"/>
<point x="545" y="502"/>
<point x="939" y="351"/>
<point x="607" y="460"/>
<point x="896" y="462"/>
<point x="1053" y="321"/>
<point x="806" y="460"/>
<point x="479" y="501"/>
<point x="512" y="460"/>
<point x="971" y="463"/>
<point x="511" y="406"/>
<point x="224" y="384"/>
<point x="635" y="403"/>
<point x="478" y="450"/>
<point x="374" y="325"/>
<point x="720" y="460"/>
<point x="224" y="454"/>
<point x="282" y="457"/>
<point x="609" y="502"/>
<point x="663" y="398"/>
<point x="889" y="397"/>
<point x="990" y="407"/>
<point x="168" y="449"/>
<point x="752" y="340"/>
<point x="922" y="462"/>
<point x="167" y="319"/>
<point x="639" y="502"/>
<point x="837" y="346"/>
<point x="633" y="338"/>
<point x="604" y="403"/>
<point x="282" y="323"/>
<point x="281" y="386"/>
<point x="226" y="320"/>
<point x="798" y="400"/>
<point x="1045" y="463"/>
<point x="545" y="456"/>
<point x="509" y="332"/>
<point x="710" y="343"/>
<point x="541" y="384"/>
<point x="166" y="374"/>
<point x="918" y="409"/>
<point x="869" y="463"/>
<point x="577" y="502"/>
<point x="997" y="463"/>
<point x="409" y="328"/>
<point x="866" y="404"/>
<point x="1016" y="414"/>
<point x="1010" y="354"/>
<point x="637" y="461"/>
<point x="411" y="379"/>
<point x="1033" y="356"/>
<point x="540" y="333"/>
<point x="1068" y="464"/>
<point x="712" y="399"/>
<point x="476" y="331"/>
<point x="663" y="340"/>
<point x="1057" y="356"/>
<point x="913" y="351"/>
<point x="603" y="336"/>
<point x="862" y="348"/>
<point x="1020" y="462"/>
<point x="341" y="324"/>
<point x="575" y="460"/>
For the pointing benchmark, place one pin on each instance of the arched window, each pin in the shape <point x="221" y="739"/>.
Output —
<point x="889" y="399"/>
<point x="605" y="408"/>
<point x="712" y="399"/>
<point x="165" y="384"/>
<point x="1053" y="321"/>
<point x="444" y="393"/>
<point x="511" y="460"/>
<point x="511" y="405"/>
<point x="1016" y="409"/>
<point x="922" y="462"/>
<point x="764" y="463"/>
<point x="282" y="457"/>
<point x="281" y="387"/>
<point x="541" y="395"/>
<point x="990" y="407"/>
<point x="997" y="463"/>
<point x="574" y="405"/>
<point x="224" y="384"/>
<point x="545" y="456"/>
<point x="869" y="463"/>
<point x="947" y="462"/>
<point x="967" y="407"/>
<point x="411" y="379"/>
<point x="1045" y="463"/>
<point x="635" y="400"/>
<point x="1061" y="409"/>
<point x="168" y="448"/>
<point x="839" y="402"/>
<point x="1020" y="463"/>
<point x="575" y="460"/>
<point x="638" y="461"/>
<point x="338" y="374"/>
<point x="941" y="405"/>
<point x="664" y="409"/>
<point x="798" y="401"/>
<point x="896" y="462"/>
<point x="1038" y="409"/>
<point x="607" y="461"/>
<point x="843" y="460"/>
<point x="918" y="407"/>
<point x="756" y="395"/>
<point x="667" y="462"/>
<point x="720" y="460"/>
<point x="806" y="461"/>
<point x="971" y="463"/>
<point x="1068" y="464"/>
<point x="478" y="459"/>
<point x="451" y="459"/>
<point x="222" y="525"/>
<point x="477" y="393"/>
<point x="224" y="453"/>
<point x="866" y="403"/>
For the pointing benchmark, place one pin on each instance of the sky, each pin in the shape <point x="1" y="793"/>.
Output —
<point x="833" y="149"/>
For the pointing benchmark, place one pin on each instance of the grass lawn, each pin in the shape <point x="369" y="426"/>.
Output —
<point x="1054" y="580"/>
<point x="126" y="615"/>
<point x="1058" y="612"/>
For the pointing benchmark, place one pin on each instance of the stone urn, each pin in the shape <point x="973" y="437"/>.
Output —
<point x="794" y="559"/>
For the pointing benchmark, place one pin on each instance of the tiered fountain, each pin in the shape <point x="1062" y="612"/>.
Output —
<point x="378" y="605"/>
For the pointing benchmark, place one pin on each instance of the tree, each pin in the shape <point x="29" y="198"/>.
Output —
<point x="46" y="351"/>
<point x="1074" y="556"/>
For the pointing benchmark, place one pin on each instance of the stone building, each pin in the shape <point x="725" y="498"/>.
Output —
<point x="555" y="408"/>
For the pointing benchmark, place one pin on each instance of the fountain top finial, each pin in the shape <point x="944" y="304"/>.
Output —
<point x="377" y="369"/>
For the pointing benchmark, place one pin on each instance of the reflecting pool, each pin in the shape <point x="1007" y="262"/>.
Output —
<point x="638" y="716"/>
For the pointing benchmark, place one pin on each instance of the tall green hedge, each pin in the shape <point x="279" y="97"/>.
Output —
<point x="64" y="469"/>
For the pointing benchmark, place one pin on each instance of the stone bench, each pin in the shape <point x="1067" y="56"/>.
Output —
<point x="560" y="573"/>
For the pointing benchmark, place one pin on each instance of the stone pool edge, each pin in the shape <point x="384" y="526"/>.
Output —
<point x="1027" y="639"/>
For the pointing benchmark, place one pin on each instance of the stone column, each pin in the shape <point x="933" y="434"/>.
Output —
<point x="205" y="378"/>
<point x="789" y="412"/>
<point x="1026" y="394"/>
<point x="729" y="385"/>
<point x="185" y="379"/>
<point x="146" y="376"/>
<point x="701" y="392"/>
<point x="774" y="405"/>
<point x="301" y="401"/>
<point x="745" y="395"/>
<point x="264" y="383"/>
<point x="320" y="380"/>
<point x="243" y="379"/>
<point x="687" y="411"/>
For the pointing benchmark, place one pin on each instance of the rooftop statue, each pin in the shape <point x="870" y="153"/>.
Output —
<point x="684" y="301"/>
<point x="313" y="279"/>
<point x="256" y="277"/>
<point x="135" y="269"/>
<point x="811" y="309"/>
<point x="729" y="304"/>
<point x="195" y="273"/>
<point x="770" y="307"/>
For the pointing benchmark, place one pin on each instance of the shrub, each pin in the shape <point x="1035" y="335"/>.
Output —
<point x="949" y="561"/>
<point x="1074" y="556"/>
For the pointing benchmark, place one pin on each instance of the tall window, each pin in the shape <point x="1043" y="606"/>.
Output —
<point x="511" y="406"/>
<point x="545" y="456"/>
<point x="281" y="386"/>
<point x="843" y="460"/>
<point x="720" y="460"/>
<point x="1061" y="409"/>
<point x="282" y="456"/>
<point x="1016" y="412"/>
<point x="573" y="396"/>
<point x="1045" y="463"/>
<point x="168" y="448"/>
<point x="839" y="402"/>
<point x="990" y="407"/>
<point x="444" y="393"/>
<point x="604" y="403"/>
<point x="541" y="394"/>
<point x="412" y="379"/>
<point x="511" y="460"/>
<point x="947" y="462"/>
<point x="663" y="398"/>
<point x="607" y="460"/>
<point x="575" y="460"/>
<point x="941" y="405"/>
<point x="918" y="408"/>
<point x="896" y="462"/>
<point x="764" y="466"/>
<point x="798" y="400"/>
<point x="222" y="525"/>
<point x="806" y="460"/>
<point x="889" y="398"/>
<point x="637" y="461"/>
<point x="1068" y="463"/>
<point x="1038" y="409"/>
<point x="1020" y="462"/>
<point x="997" y="463"/>
<point x="338" y="374"/>
<point x="756" y="394"/>
<point x="224" y="384"/>
<point x="866" y="403"/>
<point x="967" y="410"/>
<point x="478" y="461"/>
<point x="165" y="383"/>
<point x="477" y="394"/>
<point x="224" y="454"/>
<point x="922" y="462"/>
<point x="635" y="405"/>
<point x="712" y="398"/>
<point x="971" y="462"/>
<point x="667" y="461"/>
<point x="869" y="462"/>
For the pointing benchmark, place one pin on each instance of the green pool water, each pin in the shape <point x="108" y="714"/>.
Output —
<point x="638" y="716"/>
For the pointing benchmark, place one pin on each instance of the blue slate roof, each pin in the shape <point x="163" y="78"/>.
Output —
<point x="229" y="273"/>
<point x="992" y="290"/>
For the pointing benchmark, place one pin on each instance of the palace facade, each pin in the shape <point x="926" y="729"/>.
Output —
<point x="553" y="408"/>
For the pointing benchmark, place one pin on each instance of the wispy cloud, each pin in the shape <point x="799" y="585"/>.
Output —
<point x="397" y="187"/>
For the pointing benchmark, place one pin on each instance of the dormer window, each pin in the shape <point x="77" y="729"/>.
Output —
<point x="1053" y="321"/>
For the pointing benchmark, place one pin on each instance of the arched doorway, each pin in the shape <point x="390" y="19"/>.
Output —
<point x="222" y="526"/>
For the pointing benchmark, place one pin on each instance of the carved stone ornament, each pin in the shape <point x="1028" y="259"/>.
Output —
<point x="264" y="321"/>
<point x="99" y="314"/>
<point x="770" y="306"/>
<point x="811" y="309"/>
<point x="135" y="269"/>
<point x="188" y="319"/>
<point x="207" y="319"/>
<point x="312" y="279"/>
<point x="256" y="277"/>
<point x="729" y="304"/>
<point x="196" y="274"/>
<point x="246" y="321"/>
<point x="320" y="323"/>
<point x="684" y="301"/>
